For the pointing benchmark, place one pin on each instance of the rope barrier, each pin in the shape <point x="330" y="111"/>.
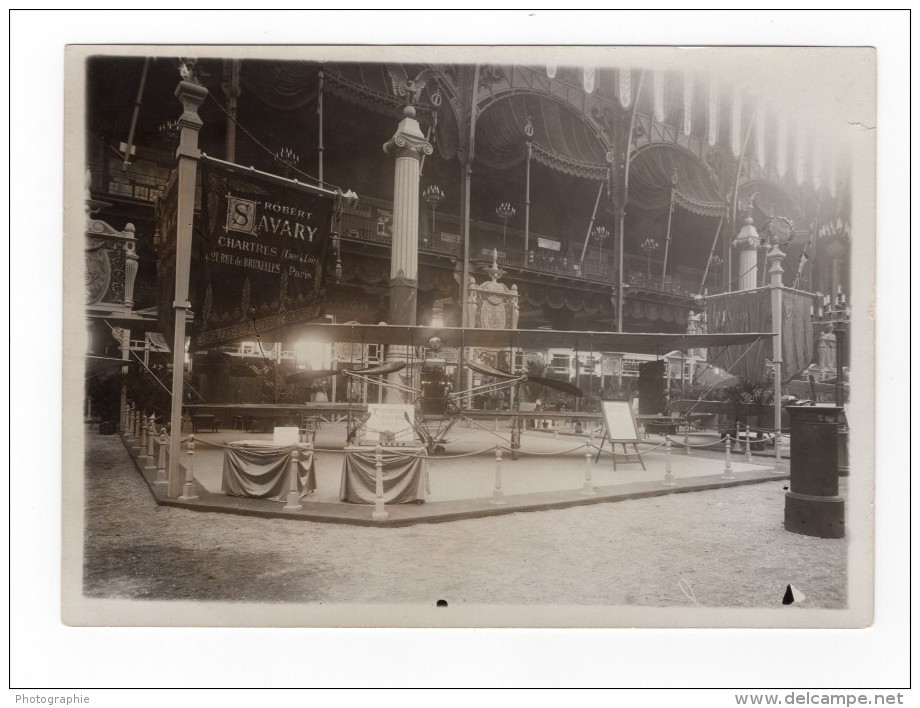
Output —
<point x="466" y="454"/>
<point x="437" y="457"/>
<point x="537" y="453"/>
<point x="547" y="454"/>
<point x="709" y="444"/>
<point x="721" y="441"/>
<point x="641" y="452"/>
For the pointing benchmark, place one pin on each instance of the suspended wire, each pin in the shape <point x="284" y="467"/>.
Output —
<point x="155" y="377"/>
<point x="734" y="363"/>
<point x="264" y="147"/>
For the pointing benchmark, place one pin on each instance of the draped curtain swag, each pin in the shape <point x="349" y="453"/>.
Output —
<point x="405" y="475"/>
<point x="561" y="139"/>
<point x="650" y="185"/>
<point x="261" y="470"/>
<point x="572" y="301"/>
<point x="282" y="85"/>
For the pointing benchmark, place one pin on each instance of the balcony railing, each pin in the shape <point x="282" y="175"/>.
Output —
<point x="660" y="283"/>
<point x="130" y="183"/>
<point x="539" y="262"/>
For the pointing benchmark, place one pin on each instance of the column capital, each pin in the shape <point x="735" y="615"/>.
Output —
<point x="191" y="96"/>
<point x="408" y="141"/>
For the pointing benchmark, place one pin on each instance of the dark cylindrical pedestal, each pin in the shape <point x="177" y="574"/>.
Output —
<point x="843" y="450"/>
<point x="813" y="506"/>
<point x="843" y="445"/>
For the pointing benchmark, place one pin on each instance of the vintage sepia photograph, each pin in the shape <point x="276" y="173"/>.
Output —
<point x="464" y="349"/>
<point x="495" y="336"/>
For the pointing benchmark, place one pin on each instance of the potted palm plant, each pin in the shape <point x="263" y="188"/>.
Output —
<point x="747" y="400"/>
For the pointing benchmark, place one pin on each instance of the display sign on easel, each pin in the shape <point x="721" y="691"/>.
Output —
<point x="621" y="423"/>
<point x="621" y="428"/>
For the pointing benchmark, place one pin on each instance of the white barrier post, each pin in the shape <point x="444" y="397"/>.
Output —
<point x="130" y="428"/>
<point x="380" y="511"/>
<point x="747" y="443"/>
<point x="687" y="437"/>
<point x="188" y="492"/>
<point x="143" y="427"/>
<point x="728" y="459"/>
<point x="778" y="454"/>
<point x="151" y="439"/>
<point x="124" y="419"/>
<point x="151" y="435"/>
<point x="137" y="426"/>
<point x="589" y="489"/>
<point x="498" y="496"/>
<point x="293" y="497"/>
<point x="668" y="475"/>
<point x="161" y="458"/>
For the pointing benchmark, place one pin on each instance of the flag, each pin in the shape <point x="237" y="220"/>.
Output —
<point x="259" y="254"/>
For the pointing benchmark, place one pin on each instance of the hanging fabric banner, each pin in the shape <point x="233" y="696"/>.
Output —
<point x="713" y="112"/>
<point x="588" y="79"/>
<point x="816" y="160"/>
<point x="751" y="311"/>
<point x="259" y="254"/>
<point x="736" y="123"/>
<point x="759" y="138"/>
<point x="801" y="159"/>
<point x="625" y="86"/>
<point x="688" y="102"/>
<point x="781" y="144"/>
<point x="658" y="95"/>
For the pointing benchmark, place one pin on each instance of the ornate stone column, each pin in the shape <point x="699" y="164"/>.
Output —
<point x="408" y="144"/>
<point x="747" y="242"/>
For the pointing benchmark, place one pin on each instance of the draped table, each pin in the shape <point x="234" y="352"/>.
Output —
<point x="261" y="469"/>
<point x="405" y="475"/>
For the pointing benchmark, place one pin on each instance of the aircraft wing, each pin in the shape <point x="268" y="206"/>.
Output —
<point x="629" y="342"/>
<point x="489" y="371"/>
<point x="387" y="368"/>
<point x="309" y="375"/>
<point x="563" y="386"/>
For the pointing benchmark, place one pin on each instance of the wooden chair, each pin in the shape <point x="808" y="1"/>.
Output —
<point x="309" y="426"/>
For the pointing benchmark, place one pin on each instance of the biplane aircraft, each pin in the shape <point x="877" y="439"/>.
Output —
<point x="439" y="408"/>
